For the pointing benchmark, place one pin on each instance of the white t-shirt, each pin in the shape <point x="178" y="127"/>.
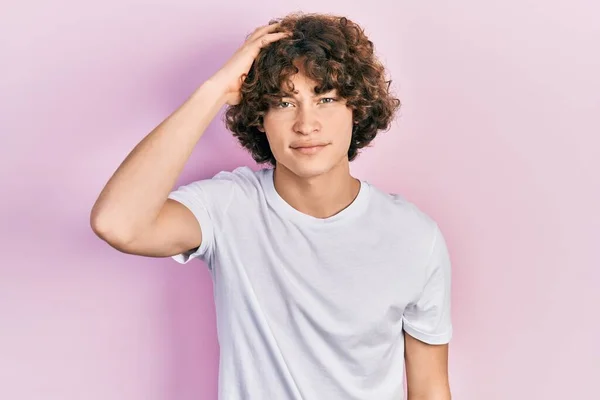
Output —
<point x="311" y="308"/>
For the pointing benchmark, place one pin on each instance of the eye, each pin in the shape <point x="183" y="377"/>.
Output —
<point x="328" y="98"/>
<point x="283" y="104"/>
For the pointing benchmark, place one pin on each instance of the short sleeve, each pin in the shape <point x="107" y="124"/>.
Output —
<point x="428" y="317"/>
<point x="208" y="200"/>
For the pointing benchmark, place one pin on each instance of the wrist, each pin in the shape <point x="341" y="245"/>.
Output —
<point x="212" y="89"/>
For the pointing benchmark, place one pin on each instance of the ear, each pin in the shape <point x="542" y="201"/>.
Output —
<point x="261" y="126"/>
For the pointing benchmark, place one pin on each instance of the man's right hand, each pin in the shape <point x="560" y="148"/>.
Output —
<point x="231" y="75"/>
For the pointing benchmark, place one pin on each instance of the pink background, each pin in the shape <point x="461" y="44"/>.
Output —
<point x="498" y="140"/>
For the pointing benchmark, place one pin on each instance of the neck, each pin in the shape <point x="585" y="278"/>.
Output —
<point x="320" y="196"/>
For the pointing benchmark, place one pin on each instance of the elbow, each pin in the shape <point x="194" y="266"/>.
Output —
<point x="109" y="230"/>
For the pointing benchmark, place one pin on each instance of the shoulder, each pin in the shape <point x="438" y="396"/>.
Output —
<point x="239" y="175"/>
<point x="239" y="178"/>
<point x="221" y="188"/>
<point x="245" y="185"/>
<point x="399" y="206"/>
<point x="395" y="214"/>
<point x="244" y="181"/>
<point x="411" y="224"/>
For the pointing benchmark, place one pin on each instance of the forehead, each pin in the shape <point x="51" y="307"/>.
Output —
<point x="302" y="82"/>
<point x="299" y="84"/>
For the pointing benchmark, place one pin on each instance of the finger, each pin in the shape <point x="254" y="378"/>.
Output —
<point x="260" y="31"/>
<point x="270" y="38"/>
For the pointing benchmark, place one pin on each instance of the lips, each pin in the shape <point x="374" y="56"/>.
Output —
<point x="308" y="145"/>
<point x="309" y="148"/>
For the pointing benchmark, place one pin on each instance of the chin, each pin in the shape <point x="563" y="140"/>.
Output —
<point x="305" y="170"/>
<point x="308" y="167"/>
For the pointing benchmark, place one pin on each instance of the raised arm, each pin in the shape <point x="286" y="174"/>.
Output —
<point x="133" y="213"/>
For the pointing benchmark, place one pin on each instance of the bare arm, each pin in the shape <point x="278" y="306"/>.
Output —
<point x="135" y="195"/>
<point x="426" y="370"/>
<point x="133" y="213"/>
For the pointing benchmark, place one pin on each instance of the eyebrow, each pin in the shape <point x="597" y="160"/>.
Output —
<point x="313" y="95"/>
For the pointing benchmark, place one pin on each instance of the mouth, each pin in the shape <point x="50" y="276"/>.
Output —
<point x="309" y="149"/>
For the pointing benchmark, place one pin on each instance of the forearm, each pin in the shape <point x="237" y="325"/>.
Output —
<point x="443" y="396"/>
<point x="442" y="393"/>
<point x="136" y="192"/>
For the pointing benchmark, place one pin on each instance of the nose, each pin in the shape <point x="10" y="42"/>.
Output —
<point x="306" y="121"/>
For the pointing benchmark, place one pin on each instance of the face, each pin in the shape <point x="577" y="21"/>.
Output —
<point x="308" y="134"/>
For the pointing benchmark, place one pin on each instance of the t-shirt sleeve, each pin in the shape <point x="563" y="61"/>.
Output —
<point x="428" y="318"/>
<point x="208" y="200"/>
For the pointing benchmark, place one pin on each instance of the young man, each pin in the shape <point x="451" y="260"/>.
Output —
<point x="325" y="286"/>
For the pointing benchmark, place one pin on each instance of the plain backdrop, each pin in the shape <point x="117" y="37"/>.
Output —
<point x="497" y="140"/>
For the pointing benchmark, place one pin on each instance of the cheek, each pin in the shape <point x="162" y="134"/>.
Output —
<point x="340" y="117"/>
<point x="343" y="124"/>
<point x="274" y="136"/>
<point x="276" y="128"/>
<point x="275" y="122"/>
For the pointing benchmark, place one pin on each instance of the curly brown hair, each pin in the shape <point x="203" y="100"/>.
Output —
<point x="336" y="54"/>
